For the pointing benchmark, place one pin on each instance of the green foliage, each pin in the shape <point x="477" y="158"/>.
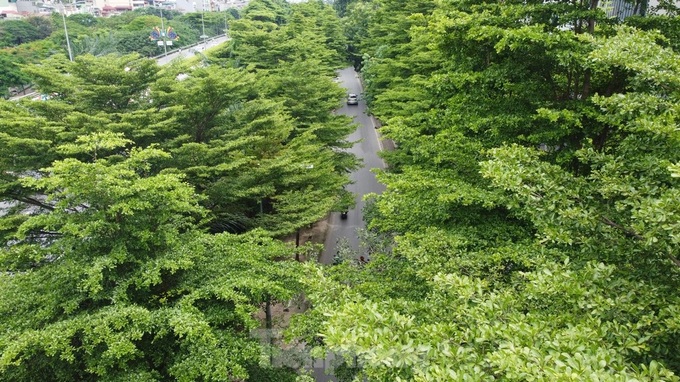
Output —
<point x="143" y="23"/>
<point x="242" y="151"/>
<point x="42" y="24"/>
<point x="32" y="52"/>
<point x="84" y="19"/>
<point x="16" y="32"/>
<point x="120" y="34"/>
<point x="127" y="284"/>
<point x="110" y="185"/>
<point x="113" y="84"/>
<point x="485" y="336"/>
<point x="212" y="22"/>
<point x="99" y="45"/>
<point x="531" y="197"/>
<point x="128" y="42"/>
<point x="668" y="26"/>
<point x="220" y="124"/>
<point x="270" y="33"/>
<point x="11" y="74"/>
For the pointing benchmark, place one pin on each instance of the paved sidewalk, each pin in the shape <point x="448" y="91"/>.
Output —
<point x="385" y="144"/>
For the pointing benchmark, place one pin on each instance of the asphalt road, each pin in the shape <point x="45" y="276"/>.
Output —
<point x="190" y="52"/>
<point x="184" y="53"/>
<point x="367" y="149"/>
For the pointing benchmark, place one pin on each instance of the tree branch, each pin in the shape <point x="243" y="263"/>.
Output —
<point x="636" y="235"/>
<point x="32" y="201"/>
<point x="674" y="260"/>
<point x="627" y="231"/>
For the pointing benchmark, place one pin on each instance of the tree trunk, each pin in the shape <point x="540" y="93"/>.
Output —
<point x="591" y="29"/>
<point x="268" y="326"/>
<point x="297" y="244"/>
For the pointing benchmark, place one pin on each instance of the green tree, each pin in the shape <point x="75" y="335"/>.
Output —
<point x="117" y="281"/>
<point x="112" y="182"/>
<point x="82" y="101"/>
<point x="11" y="74"/>
<point x="128" y="42"/>
<point x="204" y="95"/>
<point x="143" y="23"/>
<point x="42" y="24"/>
<point x="108" y="85"/>
<point x="33" y="52"/>
<point x="84" y="19"/>
<point x="355" y="25"/>
<point x="268" y="34"/>
<point x="16" y="32"/>
<point x="244" y="152"/>
<point x="97" y="45"/>
<point x="529" y="196"/>
<point x="267" y="179"/>
<point x="28" y="142"/>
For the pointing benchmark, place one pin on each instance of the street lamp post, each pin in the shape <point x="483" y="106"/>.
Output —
<point x="203" y="36"/>
<point x="165" y="46"/>
<point x="68" y="43"/>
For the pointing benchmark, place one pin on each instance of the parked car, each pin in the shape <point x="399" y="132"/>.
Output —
<point x="352" y="99"/>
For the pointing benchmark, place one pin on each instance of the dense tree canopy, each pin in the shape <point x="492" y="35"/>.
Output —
<point x="11" y="74"/>
<point x="120" y="34"/>
<point x="116" y="282"/>
<point x="117" y="190"/>
<point x="528" y="231"/>
<point x="15" y="32"/>
<point x="531" y="197"/>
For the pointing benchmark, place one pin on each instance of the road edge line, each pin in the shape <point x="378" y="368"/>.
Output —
<point x="372" y="118"/>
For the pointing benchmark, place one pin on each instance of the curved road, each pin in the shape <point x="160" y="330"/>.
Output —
<point x="162" y="60"/>
<point x="190" y="51"/>
<point x="366" y="148"/>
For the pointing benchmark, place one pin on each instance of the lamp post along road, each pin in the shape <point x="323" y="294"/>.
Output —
<point x="203" y="36"/>
<point x="165" y="46"/>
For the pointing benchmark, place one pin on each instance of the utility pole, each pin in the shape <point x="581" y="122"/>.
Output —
<point x="68" y="43"/>
<point x="203" y="36"/>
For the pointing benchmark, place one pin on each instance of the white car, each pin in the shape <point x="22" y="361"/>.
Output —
<point x="352" y="99"/>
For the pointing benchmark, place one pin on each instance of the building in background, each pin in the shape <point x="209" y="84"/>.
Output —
<point x="9" y="11"/>
<point x="654" y="4"/>
<point x="624" y="8"/>
<point x="31" y="7"/>
<point x="114" y="7"/>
